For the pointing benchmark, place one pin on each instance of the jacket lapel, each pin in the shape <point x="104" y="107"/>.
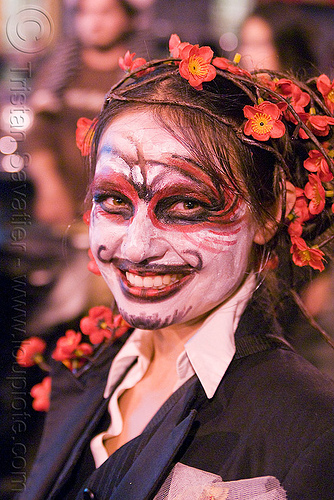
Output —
<point x="121" y="476"/>
<point x="163" y="447"/>
<point x="74" y="403"/>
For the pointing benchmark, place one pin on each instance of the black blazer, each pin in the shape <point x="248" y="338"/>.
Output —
<point x="272" y="415"/>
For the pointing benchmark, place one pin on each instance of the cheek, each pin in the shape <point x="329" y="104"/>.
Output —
<point x="213" y="242"/>
<point x="236" y="239"/>
<point x="105" y="231"/>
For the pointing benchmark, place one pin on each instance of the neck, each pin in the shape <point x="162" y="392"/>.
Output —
<point x="169" y="342"/>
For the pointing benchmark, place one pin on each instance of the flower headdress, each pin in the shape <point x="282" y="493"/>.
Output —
<point x="281" y="109"/>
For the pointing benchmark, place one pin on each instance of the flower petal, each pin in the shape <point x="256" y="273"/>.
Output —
<point x="278" y="130"/>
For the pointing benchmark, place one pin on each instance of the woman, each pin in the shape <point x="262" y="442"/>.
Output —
<point x="279" y="37"/>
<point x="198" y="177"/>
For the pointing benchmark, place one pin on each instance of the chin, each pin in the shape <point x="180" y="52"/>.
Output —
<point x="155" y="320"/>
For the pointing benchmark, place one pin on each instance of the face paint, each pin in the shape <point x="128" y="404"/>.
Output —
<point x="169" y="245"/>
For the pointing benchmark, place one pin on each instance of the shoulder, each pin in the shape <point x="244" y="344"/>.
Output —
<point x="281" y="381"/>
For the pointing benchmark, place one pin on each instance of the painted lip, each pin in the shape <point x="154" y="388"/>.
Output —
<point x="154" y="293"/>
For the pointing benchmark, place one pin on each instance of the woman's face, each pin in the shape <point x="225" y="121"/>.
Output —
<point x="168" y="245"/>
<point x="100" y="23"/>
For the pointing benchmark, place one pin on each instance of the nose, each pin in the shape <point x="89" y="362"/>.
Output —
<point x="142" y="240"/>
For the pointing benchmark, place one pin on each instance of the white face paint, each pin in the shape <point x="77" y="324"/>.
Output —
<point x="167" y="244"/>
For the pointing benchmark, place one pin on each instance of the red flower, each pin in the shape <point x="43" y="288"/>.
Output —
<point x="318" y="124"/>
<point x="266" y="80"/>
<point x="300" y="208"/>
<point x="84" y="134"/>
<point x="195" y="65"/>
<point x="67" y="345"/>
<point x="272" y="262"/>
<point x="263" y="120"/>
<point x="291" y="91"/>
<point x="92" y="266"/>
<point x="302" y="255"/>
<point x="297" y="98"/>
<point x="295" y="228"/>
<point x="129" y="63"/>
<point x="316" y="162"/>
<point x="120" y="325"/>
<point x="175" y="46"/>
<point x="230" y="66"/>
<point x="30" y="352"/>
<point x="98" y="325"/>
<point x="299" y="214"/>
<point x="41" y="394"/>
<point x="326" y="87"/>
<point x="83" y="350"/>
<point x="315" y="192"/>
<point x="86" y="217"/>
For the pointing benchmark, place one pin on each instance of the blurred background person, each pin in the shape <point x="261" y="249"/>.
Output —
<point x="275" y="36"/>
<point x="72" y="84"/>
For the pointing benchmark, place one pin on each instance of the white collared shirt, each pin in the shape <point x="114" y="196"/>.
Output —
<point x="211" y="346"/>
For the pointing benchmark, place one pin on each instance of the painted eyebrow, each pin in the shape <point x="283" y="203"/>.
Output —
<point x="114" y="152"/>
<point x="192" y="176"/>
<point x="141" y="161"/>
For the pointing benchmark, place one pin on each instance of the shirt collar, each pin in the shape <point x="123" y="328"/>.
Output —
<point x="138" y="346"/>
<point x="208" y="353"/>
<point x="211" y="349"/>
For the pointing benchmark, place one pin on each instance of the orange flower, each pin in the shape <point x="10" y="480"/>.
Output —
<point x="86" y="217"/>
<point x="92" y="265"/>
<point x="195" y="65"/>
<point x="316" y="162"/>
<point x="120" y="325"/>
<point x="129" y="63"/>
<point x="315" y="192"/>
<point x="326" y="87"/>
<point x="30" y="352"/>
<point x="302" y="255"/>
<point x="296" y="97"/>
<point x="266" y="80"/>
<point x="272" y="263"/>
<point x="67" y="345"/>
<point x="291" y="91"/>
<point x="175" y="46"/>
<point x="230" y="66"/>
<point x="263" y="120"/>
<point x="41" y="394"/>
<point x="299" y="214"/>
<point x="318" y="124"/>
<point x="98" y="325"/>
<point x="295" y="228"/>
<point x="84" y="135"/>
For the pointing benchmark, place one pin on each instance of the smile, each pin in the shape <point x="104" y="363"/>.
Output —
<point x="152" y="286"/>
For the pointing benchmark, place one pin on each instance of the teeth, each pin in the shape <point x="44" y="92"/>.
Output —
<point x="166" y="279"/>
<point x="159" y="281"/>
<point x="148" y="282"/>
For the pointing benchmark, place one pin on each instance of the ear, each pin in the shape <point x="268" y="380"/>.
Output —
<point x="266" y="232"/>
